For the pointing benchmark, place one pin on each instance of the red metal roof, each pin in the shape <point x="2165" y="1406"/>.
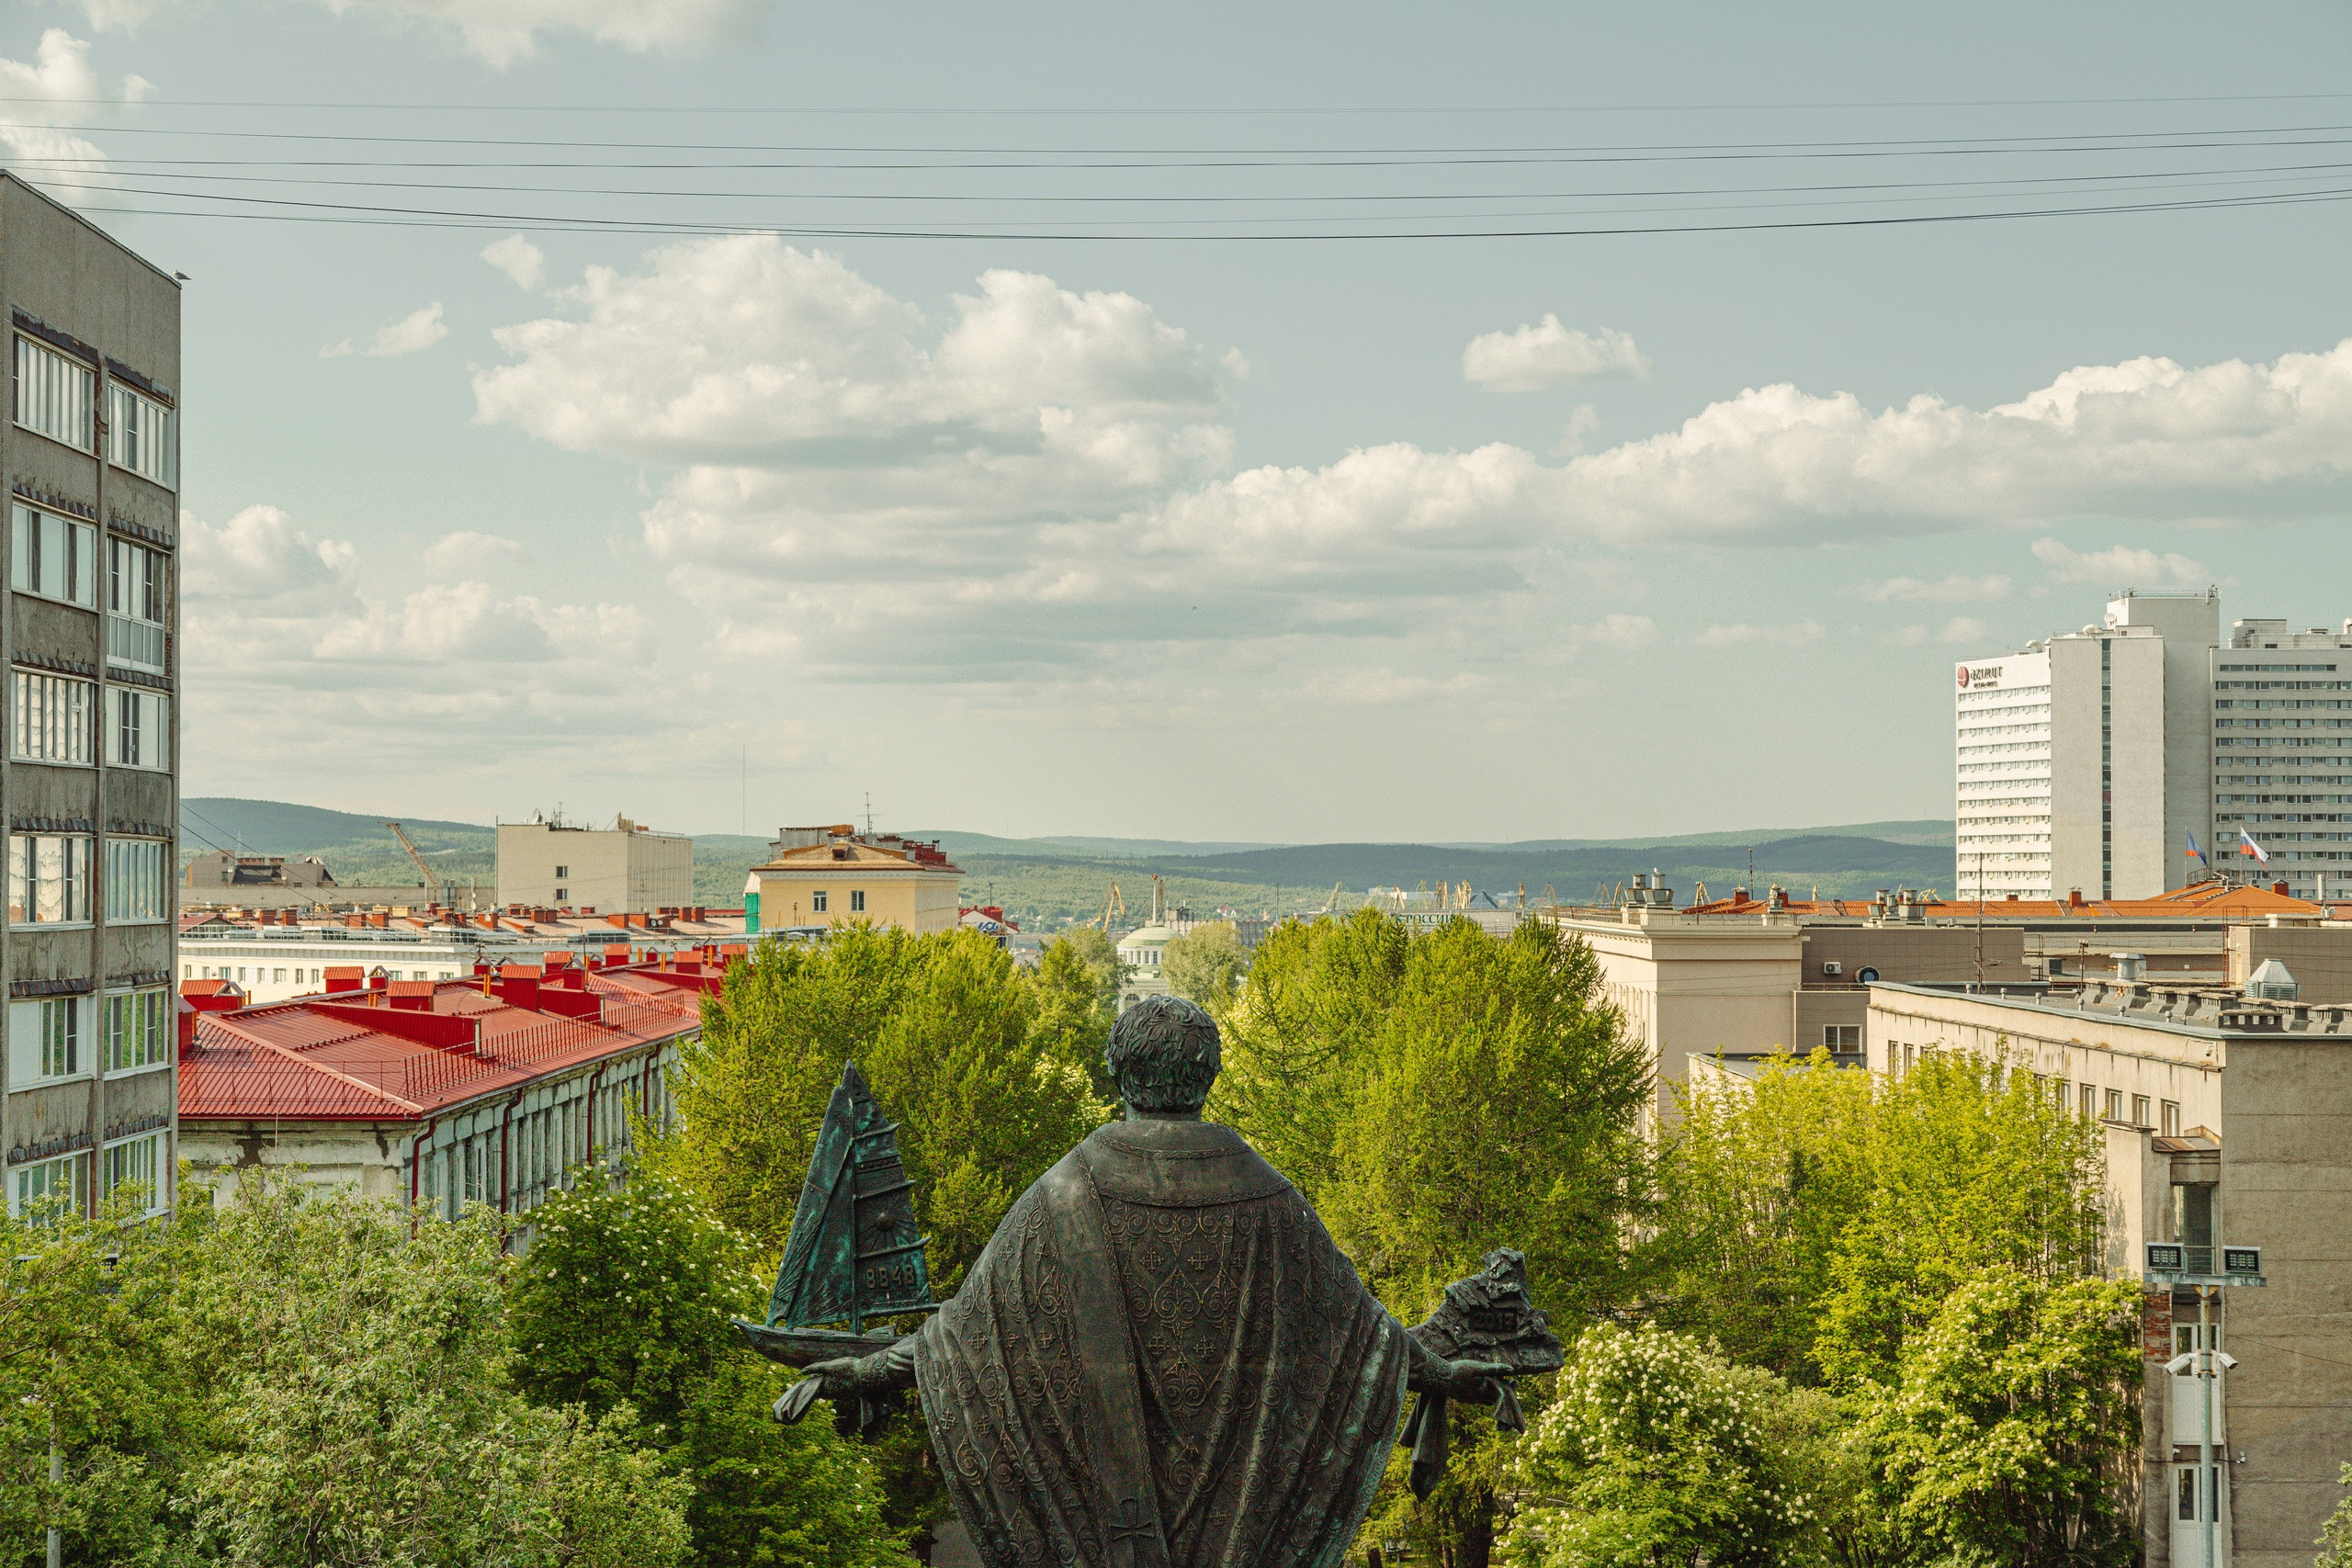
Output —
<point x="321" y="1058"/>
<point x="2204" y="901"/>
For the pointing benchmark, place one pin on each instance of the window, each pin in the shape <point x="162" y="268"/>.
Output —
<point x="50" y="1180"/>
<point x="55" y="394"/>
<point x="2185" y="1494"/>
<point x="138" y="886"/>
<point x="134" y="1161"/>
<point x="49" y="878"/>
<point x="2090" y="1101"/>
<point x="561" y="893"/>
<point x="277" y="977"/>
<point x="136" y="578"/>
<point x="135" y="1030"/>
<point x="1838" y="1036"/>
<point x="53" y="718"/>
<point x="562" y="873"/>
<point x="2171" y="1123"/>
<point x="139" y="433"/>
<point x="53" y="557"/>
<point x="44" y="1040"/>
<point x="2115" y="1105"/>
<point x="817" y="902"/>
<point x="857" y="900"/>
<point x="139" y="730"/>
<point x="2140" y="1108"/>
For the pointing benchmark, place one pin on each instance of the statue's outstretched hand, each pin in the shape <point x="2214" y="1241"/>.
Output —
<point x="1472" y="1382"/>
<point x="820" y="1379"/>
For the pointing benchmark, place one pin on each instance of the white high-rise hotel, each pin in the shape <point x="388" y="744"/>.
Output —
<point x="2085" y="760"/>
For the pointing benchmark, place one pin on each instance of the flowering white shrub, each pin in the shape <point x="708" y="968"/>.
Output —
<point x="1657" y="1451"/>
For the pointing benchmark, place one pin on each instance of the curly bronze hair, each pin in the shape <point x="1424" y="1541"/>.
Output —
<point x="1164" y="1052"/>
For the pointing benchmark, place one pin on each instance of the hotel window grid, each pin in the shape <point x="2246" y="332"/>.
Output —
<point x="49" y="879"/>
<point x="139" y="729"/>
<point x="55" y="396"/>
<point x="53" y="557"/>
<point x="137" y="1030"/>
<point x="134" y="1160"/>
<point x="138" y="586"/>
<point x="139" y="879"/>
<point x="31" y="1185"/>
<point x="138" y="434"/>
<point x="53" y="718"/>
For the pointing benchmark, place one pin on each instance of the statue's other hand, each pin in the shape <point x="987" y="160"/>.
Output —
<point x="801" y="1396"/>
<point x="1475" y="1380"/>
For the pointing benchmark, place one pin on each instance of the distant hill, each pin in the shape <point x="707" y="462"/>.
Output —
<point x="1045" y="882"/>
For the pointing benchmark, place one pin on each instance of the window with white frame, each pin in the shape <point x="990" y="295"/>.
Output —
<point x="139" y="879"/>
<point x="137" y="1030"/>
<point x="136" y="1160"/>
<point x="49" y="878"/>
<point x="60" y="1179"/>
<point x="53" y="557"/>
<point x="55" y="396"/>
<point x="53" y="718"/>
<point x="45" y="1042"/>
<point x="817" y="901"/>
<point x="138" y="434"/>
<point x="138" y="581"/>
<point x="856" y="901"/>
<point x="139" y="733"/>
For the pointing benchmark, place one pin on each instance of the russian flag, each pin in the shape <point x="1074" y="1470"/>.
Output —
<point x="2251" y="846"/>
<point x="2197" y="855"/>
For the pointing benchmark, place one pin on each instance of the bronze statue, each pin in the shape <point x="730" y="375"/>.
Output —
<point x="1161" y="1360"/>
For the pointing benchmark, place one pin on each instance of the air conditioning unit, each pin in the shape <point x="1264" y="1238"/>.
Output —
<point x="1831" y="966"/>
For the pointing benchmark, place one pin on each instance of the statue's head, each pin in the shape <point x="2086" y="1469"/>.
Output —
<point x="1164" y="1054"/>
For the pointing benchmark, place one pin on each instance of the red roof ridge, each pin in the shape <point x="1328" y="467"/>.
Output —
<point x="274" y="1048"/>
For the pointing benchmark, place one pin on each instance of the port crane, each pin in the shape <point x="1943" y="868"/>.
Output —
<point x="1113" y="901"/>
<point x="432" y="882"/>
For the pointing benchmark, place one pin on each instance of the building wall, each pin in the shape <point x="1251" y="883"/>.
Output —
<point x="2282" y="755"/>
<point x="2137" y="770"/>
<point x="64" y="273"/>
<point x="604" y="869"/>
<point x="2002" y="775"/>
<point x="2280" y="1105"/>
<point x="2189" y="626"/>
<point x="920" y="901"/>
<point x="1695" y="988"/>
<point x="273" y="969"/>
<point x="2319" y="956"/>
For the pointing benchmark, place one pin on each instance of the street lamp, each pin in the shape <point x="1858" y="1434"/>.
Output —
<point x="2167" y="1263"/>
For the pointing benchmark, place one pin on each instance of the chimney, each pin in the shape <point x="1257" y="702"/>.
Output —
<point x="2280" y="887"/>
<point x="198" y="996"/>
<point x="2075" y="898"/>
<point x="346" y="977"/>
<point x="616" y="952"/>
<point x="518" y="985"/>
<point x="379" y="977"/>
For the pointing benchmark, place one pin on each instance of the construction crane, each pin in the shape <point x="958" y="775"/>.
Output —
<point x="432" y="882"/>
<point x="1331" y="904"/>
<point x="1112" y="900"/>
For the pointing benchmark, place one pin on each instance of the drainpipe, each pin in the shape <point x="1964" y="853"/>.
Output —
<point x="416" y="1163"/>
<point x="506" y="1148"/>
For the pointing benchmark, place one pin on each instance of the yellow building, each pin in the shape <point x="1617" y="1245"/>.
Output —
<point x="828" y="876"/>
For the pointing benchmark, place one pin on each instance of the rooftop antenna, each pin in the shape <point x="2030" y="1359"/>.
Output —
<point x="869" y="813"/>
<point x="743" y="801"/>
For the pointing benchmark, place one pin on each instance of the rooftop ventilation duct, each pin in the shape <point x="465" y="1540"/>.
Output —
<point x="2273" y="983"/>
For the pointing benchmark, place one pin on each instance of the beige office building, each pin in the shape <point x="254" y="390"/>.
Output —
<point x="2227" y="1120"/>
<point x="820" y="878"/>
<point x="90" y="773"/>
<point x="625" y="869"/>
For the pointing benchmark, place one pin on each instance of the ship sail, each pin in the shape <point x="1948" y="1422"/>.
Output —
<point x="854" y="1254"/>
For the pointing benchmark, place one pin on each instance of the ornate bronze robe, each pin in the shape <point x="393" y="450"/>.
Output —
<point x="1162" y="1358"/>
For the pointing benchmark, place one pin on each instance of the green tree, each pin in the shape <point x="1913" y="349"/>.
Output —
<point x="1204" y="964"/>
<point x="1315" y="994"/>
<point x="1756" y="1185"/>
<point x="87" y="1367"/>
<point x="622" y="1305"/>
<point x="1658" y="1453"/>
<point x="1076" y="984"/>
<point x="2335" y="1537"/>
<point x="357" y="1409"/>
<point x="1092" y="946"/>
<point x="1499" y="1104"/>
<point x="2011" y="1431"/>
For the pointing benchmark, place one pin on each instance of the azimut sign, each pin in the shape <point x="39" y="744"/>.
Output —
<point x="1977" y="677"/>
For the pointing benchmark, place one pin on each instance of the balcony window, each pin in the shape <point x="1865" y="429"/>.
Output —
<point x="53" y="718"/>
<point x="138" y="882"/>
<point x="53" y="557"/>
<point x="139" y="729"/>
<point x="49" y="1180"/>
<point x="137" y="592"/>
<point x="137" y="1161"/>
<point x="138" y="434"/>
<point x="49" y="879"/>
<point x="45" y="1042"/>
<point x="137" y="1030"/>
<point x="55" y="396"/>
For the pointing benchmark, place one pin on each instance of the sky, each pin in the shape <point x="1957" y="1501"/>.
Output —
<point x="1289" y="424"/>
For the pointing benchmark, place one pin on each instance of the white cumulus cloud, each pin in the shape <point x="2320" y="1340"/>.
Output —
<point x="467" y="554"/>
<point x="1961" y="629"/>
<point x="420" y="329"/>
<point x="50" y="97"/>
<point x="520" y="260"/>
<point x="1549" y="355"/>
<point x="2121" y="566"/>
<point x="1955" y="589"/>
<point x="1796" y="634"/>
